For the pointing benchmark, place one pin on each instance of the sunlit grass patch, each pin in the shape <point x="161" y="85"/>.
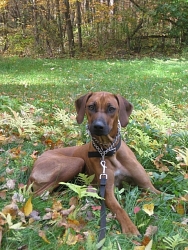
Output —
<point x="37" y="114"/>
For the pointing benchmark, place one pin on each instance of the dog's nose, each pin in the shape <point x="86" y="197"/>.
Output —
<point x="98" y="126"/>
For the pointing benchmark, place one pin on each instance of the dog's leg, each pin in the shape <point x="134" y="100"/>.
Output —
<point x="51" y="168"/>
<point x="126" y="224"/>
<point x="135" y="170"/>
<point x="141" y="178"/>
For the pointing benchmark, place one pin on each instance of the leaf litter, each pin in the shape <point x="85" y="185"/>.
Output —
<point x="20" y="212"/>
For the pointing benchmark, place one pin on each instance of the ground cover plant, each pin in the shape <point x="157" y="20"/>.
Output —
<point x="37" y="113"/>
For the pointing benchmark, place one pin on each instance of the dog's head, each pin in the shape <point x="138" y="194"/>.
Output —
<point x="103" y="110"/>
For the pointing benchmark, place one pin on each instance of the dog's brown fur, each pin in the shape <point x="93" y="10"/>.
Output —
<point x="103" y="110"/>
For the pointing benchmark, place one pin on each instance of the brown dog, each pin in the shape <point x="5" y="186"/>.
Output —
<point x="104" y="112"/>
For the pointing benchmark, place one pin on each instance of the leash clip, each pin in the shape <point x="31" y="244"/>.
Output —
<point x="103" y="165"/>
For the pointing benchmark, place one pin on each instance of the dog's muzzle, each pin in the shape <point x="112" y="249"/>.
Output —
<point x="99" y="128"/>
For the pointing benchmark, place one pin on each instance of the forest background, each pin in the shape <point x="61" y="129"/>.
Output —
<point x="106" y="28"/>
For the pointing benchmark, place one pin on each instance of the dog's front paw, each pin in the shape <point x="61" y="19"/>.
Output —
<point x="130" y="229"/>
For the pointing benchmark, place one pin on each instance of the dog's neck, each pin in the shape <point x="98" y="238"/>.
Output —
<point x="106" y="141"/>
<point x="105" y="145"/>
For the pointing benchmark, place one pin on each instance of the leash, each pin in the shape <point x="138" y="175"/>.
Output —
<point x="103" y="178"/>
<point x="100" y="152"/>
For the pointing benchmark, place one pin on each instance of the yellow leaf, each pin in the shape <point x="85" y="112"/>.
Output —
<point x="139" y="248"/>
<point x="3" y="215"/>
<point x="17" y="226"/>
<point x="149" y="245"/>
<point x="43" y="236"/>
<point x="9" y="220"/>
<point x="148" y="208"/>
<point x="180" y="209"/>
<point x="69" y="238"/>
<point x="28" y="208"/>
<point x="56" y="205"/>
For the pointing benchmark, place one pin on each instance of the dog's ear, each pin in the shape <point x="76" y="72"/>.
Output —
<point x="80" y="104"/>
<point x="125" y="109"/>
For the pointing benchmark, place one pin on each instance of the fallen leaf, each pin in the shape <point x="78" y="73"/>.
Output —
<point x="94" y="208"/>
<point x="159" y="165"/>
<point x="3" y="194"/>
<point x="1" y="234"/>
<point x="24" y="247"/>
<point x="149" y="245"/>
<point x="180" y="209"/>
<point x="185" y="176"/>
<point x="73" y="201"/>
<point x="35" y="215"/>
<point x="43" y="236"/>
<point x="16" y="153"/>
<point x="34" y="155"/>
<point x="47" y="216"/>
<point x="89" y="215"/>
<point x="56" y="215"/>
<point x="185" y="221"/>
<point x="68" y="211"/>
<point x="10" y="184"/>
<point x="28" y="207"/>
<point x="3" y="139"/>
<point x="139" y="248"/>
<point x="9" y="220"/>
<point x="110" y="216"/>
<point x="136" y="210"/>
<point x="45" y="195"/>
<point x="9" y="171"/>
<point x="24" y="169"/>
<point x="17" y="226"/>
<point x="2" y="178"/>
<point x="70" y="239"/>
<point x="184" y="198"/>
<point x="57" y="205"/>
<point x="148" y="208"/>
<point x="151" y="230"/>
<point x="145" y="240"/>
<point x="11" y="209"/>
<point x="17" y="197"/>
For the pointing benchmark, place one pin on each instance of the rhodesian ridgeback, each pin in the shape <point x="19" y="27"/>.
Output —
<point x="106" y="113"/>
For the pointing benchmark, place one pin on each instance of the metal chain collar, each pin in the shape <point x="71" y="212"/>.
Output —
<point x="103" y="152"/>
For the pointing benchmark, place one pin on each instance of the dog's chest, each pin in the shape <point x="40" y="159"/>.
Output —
<point x="120" y="176"/>
<point x="120" y="173"/>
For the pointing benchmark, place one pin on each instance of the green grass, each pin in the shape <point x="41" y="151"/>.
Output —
<point x="158" y="90"/>
<point x="60" y="81"/>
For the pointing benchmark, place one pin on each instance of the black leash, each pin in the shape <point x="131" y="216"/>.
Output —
<point x="102" y="231"/>
<point x="103" y="178"/>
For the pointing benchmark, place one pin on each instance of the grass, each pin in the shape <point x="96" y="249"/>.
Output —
<point x="40" y="90"/>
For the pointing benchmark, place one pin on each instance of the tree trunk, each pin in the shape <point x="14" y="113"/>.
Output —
<point x="69" y="29"/>
<point x="35" y="17"/>
<point x="59" y="24"/>
<point x="79" y="20"/>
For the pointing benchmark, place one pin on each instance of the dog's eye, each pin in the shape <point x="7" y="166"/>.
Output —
<point x="91" y="107"/>
<point x="111" y="109"/>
